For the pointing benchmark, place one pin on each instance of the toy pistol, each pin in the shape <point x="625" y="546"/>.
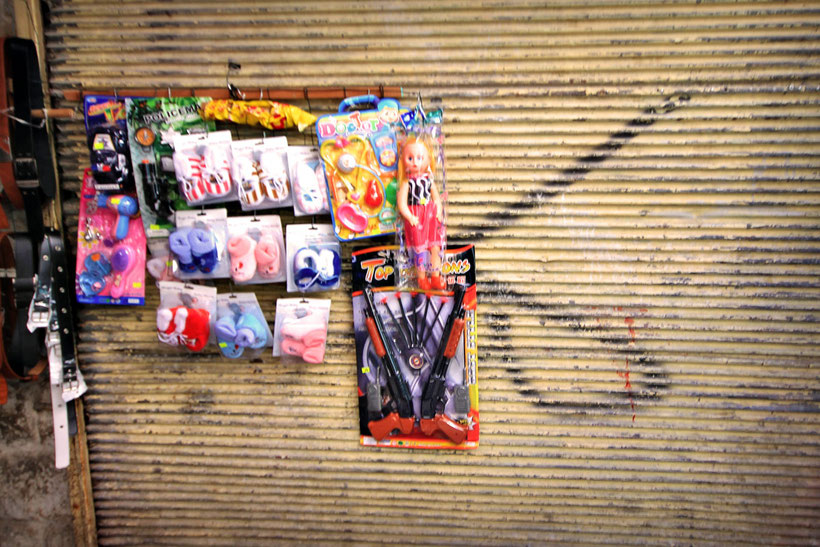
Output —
<point x="401" y="416"/>
<point x="432" y="397"/>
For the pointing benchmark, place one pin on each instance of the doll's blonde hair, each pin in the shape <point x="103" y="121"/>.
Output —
<point x="425" y="141"/>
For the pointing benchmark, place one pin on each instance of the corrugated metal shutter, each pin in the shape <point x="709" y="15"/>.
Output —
<point x="641" y="179"/>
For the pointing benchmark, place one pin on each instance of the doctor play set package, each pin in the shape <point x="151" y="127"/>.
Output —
<point x="107" y="135"/>
<point x="314" y="258"/>
<point x="256" y="249"/>
<point x="199" y="244"/>
<point x="153" y="124"/>
<point x="110" y="248"/>
<point x="260" y="171"/>
<point x="359" y="155"/>
<point x="186" y="315"/>
<point x="300" y="332"/>
<point x="241" y="328"/>
<point x="416" y="354"/>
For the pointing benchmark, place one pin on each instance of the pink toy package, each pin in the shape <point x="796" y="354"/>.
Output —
<point x="110" y="248"/>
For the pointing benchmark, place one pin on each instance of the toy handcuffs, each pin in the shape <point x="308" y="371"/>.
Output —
<point x="321" y="268"/>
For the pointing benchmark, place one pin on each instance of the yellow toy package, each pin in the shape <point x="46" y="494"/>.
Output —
<point x="360" y="159"/>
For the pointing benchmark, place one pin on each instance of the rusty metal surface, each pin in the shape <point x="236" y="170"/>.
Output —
<point x="641" y="181"/>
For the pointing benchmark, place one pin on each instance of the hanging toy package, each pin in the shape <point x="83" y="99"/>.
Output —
<point x="300" y="331"/>
<point x="198" y="245"/>
<point x="241" y="328"/>
<point x="256" y="249"/>
<point x="161" y="263"/>
<point x="422" y="201"/>
<point x="314" y="258"/>
<point x="358" y="149"/>
<point x="260" y="171"/>
<point x="152" y="126"/>
<point x="416" y="354"/>
<point x="110" y="248"/>
<point x="202" y="164"/>
<point x="308" y="181"/>
<point x="107" y="135"/>
<point x="186" y="315"/>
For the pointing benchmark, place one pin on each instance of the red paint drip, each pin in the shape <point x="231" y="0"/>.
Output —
<point x="628" y="387"/>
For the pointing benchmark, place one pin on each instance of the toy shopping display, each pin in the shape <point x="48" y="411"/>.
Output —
<point x="359" y="155"/>
<point x="110" y="247"/>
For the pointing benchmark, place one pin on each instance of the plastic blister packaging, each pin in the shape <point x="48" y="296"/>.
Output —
<point x="198" y="245"/>
<point x="308" y="181"/>
<point x="110" y="248"/>
<point x="186" y="315"/>
<point x="241" y="328"/>
<point x="314" y="258"/>
<point x="107" y="136"/>
<point x="260" y="170"/>
<point x="202" y="164"/>
<point x="300" y="331"/>
<point x="256" y="249"/>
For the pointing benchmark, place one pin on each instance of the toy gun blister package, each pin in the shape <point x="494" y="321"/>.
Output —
<point x="416" y="352"/>
<point x="359" y="154"/>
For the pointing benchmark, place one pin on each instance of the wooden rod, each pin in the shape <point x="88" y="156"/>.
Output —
<point x="55" y="113"/>
<point x="250" y="92"/>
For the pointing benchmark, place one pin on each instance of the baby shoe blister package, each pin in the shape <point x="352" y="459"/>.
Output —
<point x="300" y="331"/>
<point x="307" y="178"/>
<point x="110" y="248"/>
<point x="241" y="328"/>
<point x="202" y="164"/>
<point x="314" y="258"/>
<point x="256" y="249"/>
<point x="260" y="171"/>
<point x="199" y="244"/>
<point x="186" y="314"/>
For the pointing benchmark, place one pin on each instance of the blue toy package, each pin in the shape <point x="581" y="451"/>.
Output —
<point x="359" y="155"/>
<point x="107" y="135"/>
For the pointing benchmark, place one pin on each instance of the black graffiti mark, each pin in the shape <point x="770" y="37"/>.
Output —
<point x="654" y="371"/>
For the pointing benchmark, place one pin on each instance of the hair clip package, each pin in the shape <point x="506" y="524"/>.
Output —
<point x="110" y="248"/>
<point x="260" y="170"/>
<point x="186" y="314"/>
<point x="152" y="126"/>
<point x="359" y="157"/>
<point x="308" y="181"/>
<point x="256" y="249"/>
<point x="416" y="354"/>
<point x="199" y="244"/>
<point x="314" y="258"/>
<point x="300" y="332"/>
<point x="202" y="164"/>
<point x="241" y="328"/>
<point x="421" y="204"/>
<point x="107" y="135"/>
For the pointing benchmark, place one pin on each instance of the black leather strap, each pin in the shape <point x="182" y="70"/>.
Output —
<point x="54" y="279"/>
<point x="33" y="166"/>
<point x="24" y="351"/>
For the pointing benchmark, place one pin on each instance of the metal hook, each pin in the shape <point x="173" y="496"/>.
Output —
<point x="169" y="92"/>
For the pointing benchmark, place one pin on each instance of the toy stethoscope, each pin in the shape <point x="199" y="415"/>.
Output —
<point x="349" y="213"/>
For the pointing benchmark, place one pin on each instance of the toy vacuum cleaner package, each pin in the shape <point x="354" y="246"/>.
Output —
<point x="260" y="170"/>
<point x="241" y="328"/>
<point x="186" y="314"/>
<point x="416" y="354"/>
<point x="300" y="332"/>
<point x="360" y="159"/>
<point x="107" y="135"/>
<point x="199" y="244"/>
<point x="421" y="201"/>
<point x="110" y="248"/>
<point x="308" y="181"/>
<point x="152" y="126"/>
<point x="256" y="249"/>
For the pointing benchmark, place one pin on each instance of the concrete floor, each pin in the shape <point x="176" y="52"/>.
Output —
<point x="35" y="508"/>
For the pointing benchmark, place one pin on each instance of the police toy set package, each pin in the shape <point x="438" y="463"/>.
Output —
<point x="416" y="353"/>
<point x="107" y="135"/>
